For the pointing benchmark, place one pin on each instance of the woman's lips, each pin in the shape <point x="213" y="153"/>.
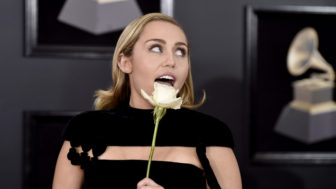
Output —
<point x="167" y="79"/>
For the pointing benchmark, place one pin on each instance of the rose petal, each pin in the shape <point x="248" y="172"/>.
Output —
<point x="173" y="103"/>
<point x="178" y="104"/>
<point x="163" y="92"/>
<point x="147" y="97"/>
<point x="163" y="96"/>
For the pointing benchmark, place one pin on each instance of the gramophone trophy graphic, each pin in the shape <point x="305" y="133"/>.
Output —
<point x="311" y="116"/>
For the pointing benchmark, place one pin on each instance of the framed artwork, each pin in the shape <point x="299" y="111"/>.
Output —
<point x="269" y="85"/>
<point x="47" y="36"/>
<point x="42" y="142"/>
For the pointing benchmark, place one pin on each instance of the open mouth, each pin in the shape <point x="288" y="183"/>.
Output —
<point x="166" y="79"/>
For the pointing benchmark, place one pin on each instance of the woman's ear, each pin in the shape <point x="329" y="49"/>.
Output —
<point x="125" y="63"/>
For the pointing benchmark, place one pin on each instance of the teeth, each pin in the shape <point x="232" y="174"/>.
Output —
<point x="167" y="77"/>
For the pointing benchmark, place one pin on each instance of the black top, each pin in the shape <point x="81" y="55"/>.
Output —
<point x="126" y="126"/>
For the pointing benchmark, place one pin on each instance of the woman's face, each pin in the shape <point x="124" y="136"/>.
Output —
<point x="160" y="54"/>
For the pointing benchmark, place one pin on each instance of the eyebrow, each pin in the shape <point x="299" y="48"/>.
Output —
<point x="164" y="42"/>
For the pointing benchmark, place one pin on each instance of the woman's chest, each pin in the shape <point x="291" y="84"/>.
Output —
<point x="127" y="173"/>
<point x="162" y="153"/>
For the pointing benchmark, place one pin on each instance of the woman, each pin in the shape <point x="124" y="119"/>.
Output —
<point x="109" y="148"/>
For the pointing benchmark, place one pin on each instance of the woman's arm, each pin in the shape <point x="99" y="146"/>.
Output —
<point x="67" y="176"/>
<point x="225" y="167"/>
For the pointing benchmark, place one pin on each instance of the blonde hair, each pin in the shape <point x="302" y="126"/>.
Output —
<point x="120" y="91"/>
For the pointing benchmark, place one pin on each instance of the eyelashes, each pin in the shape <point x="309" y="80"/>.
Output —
<point x="156" y="48"/>
<point x="181" y="52"/>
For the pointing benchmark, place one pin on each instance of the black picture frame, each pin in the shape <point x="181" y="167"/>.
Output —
<point x="45" y="36"/>
<point x="42" y="140"/>
<point x="269" y="31"/>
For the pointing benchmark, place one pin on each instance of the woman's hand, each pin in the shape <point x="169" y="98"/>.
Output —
<point x="148" y="183"/>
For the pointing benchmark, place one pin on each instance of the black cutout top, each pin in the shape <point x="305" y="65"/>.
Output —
<point x="127" y="126"/>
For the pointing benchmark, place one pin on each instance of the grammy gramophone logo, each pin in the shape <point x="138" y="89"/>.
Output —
<point x="311" y="116"/>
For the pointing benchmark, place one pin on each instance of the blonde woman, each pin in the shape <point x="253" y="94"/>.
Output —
<point x="109" y="147"/>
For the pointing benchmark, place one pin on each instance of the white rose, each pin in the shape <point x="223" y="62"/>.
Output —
<point x="163" y="96"/>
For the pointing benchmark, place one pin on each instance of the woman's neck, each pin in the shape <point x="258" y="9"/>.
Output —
<point x="139" y="103"/>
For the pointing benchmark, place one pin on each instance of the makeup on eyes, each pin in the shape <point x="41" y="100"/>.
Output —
<point x="164" y="42"/>
<point x="157" y="48"/>
<point x="182" y="50"/>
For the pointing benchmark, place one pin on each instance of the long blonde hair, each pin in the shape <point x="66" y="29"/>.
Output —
<point x="120" y="90"/>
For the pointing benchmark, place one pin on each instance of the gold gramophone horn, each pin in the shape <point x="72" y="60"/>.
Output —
<point x="303" y="54"/>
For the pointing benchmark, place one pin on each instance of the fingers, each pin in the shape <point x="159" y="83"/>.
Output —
<point x="148" y="183"/>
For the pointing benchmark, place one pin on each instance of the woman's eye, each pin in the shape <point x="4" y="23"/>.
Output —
<point x="156" y="49"/>
<point x="180" y="52"/>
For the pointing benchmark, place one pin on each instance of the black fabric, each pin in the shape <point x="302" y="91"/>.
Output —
<point x="210" y="176"/>
<point x="126" y="126"/>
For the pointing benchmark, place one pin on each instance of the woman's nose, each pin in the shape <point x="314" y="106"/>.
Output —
<point x="170" y="60"/>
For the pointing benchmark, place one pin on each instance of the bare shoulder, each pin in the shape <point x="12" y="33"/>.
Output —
<point x="212" y="131"/>
<point x="67" y="176"/>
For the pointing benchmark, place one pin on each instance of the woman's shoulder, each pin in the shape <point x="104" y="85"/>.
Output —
<point x="213" y="131"/>
<point x="200" y="117"/>
<point x="88" y="123"/>
<point x="95" y="116"/>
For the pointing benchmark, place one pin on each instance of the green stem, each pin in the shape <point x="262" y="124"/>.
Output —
<point x="159" y="112"/>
